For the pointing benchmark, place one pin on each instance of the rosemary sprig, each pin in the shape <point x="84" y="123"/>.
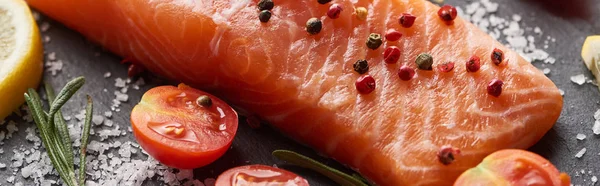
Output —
<point x="54" y="132"/>
<point x="306" y="162"/>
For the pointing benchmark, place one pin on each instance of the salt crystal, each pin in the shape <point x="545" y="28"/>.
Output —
<point x="97" y="119"/>
<point x="596" y="127"/>
<point x="44" y="26"/>
<point x="54" y="67"/>
<point x="52" y="56"/>
<point x="580" y="136"/>
<point x="108" y="114"/>
<point x="580" y="153"/>
<point x="80" y="116"/>
<point x="2" y="165"/>
<point x="594" y="179"/>
<point x="546" y="71"/>
<point x="597" y="114"/>
<point x="119" y="83"/>
<point x="537" y="30"/>
<point x="121" y="97"/>
<point x="222" y="127"/>
<point x="47" y="39"/>
<point x="108" y="123"/>
<point x="107" y="75"/>
<point x="516" y="17"/>
<point x="578" y="79"/>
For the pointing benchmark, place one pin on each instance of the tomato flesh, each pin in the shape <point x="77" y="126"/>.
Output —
<point x="259" y="175"/>
<point x="172" y="128"/>
<point x="514" y="167"/>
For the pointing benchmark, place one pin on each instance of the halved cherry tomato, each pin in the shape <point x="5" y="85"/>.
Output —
<point x="513" y="167"/>
<point x="178" y="132"/>
<point x="259" y="175"/>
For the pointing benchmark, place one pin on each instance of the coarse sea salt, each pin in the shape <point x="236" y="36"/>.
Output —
<point x="578" y="79"/>
<point x="580" y="136"/>
<point x="596" y="127"/>
<point x="580" y="153"/>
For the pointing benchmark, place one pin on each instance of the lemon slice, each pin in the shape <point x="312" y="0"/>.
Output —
<point x="21" y="54"/>
<point x="590" y="52"/>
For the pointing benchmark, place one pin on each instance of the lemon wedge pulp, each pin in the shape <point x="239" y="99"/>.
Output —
<point x="21" y="54"/>
<point x="590" y="52"/>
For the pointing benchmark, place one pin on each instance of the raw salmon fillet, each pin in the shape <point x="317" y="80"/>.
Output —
<point x="304" y="84"/>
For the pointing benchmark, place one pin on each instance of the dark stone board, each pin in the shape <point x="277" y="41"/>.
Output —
<point x="567" y="21"/>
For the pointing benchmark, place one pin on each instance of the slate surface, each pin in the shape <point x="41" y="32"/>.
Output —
<point x="567" y="21"/>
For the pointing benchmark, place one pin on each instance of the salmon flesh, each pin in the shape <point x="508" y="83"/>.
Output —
<point x="304" y="84"/>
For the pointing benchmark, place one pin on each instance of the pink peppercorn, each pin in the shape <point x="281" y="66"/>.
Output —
<point x="407" y="20"/>
<point x="447" y="154"/>
<point x="365" y="84"/>
<point x="494" y="88"/>
<point x="446" y="67"/>
<point x="391" y="54"/>
<point x="334" y="11"/>
<point x="392" y="35"/>
<point x="406" y="73"/>
<point x="447" y="13"/>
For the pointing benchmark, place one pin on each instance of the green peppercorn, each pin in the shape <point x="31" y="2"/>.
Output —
<point x="424" y="61"/>
<point x="361" y="66"/>
<point x="204" y="101"/>
<point x="265" y="5"/>
<point x="264" y="16"/>
<point x="374" y="41"/>
<point x="314" y="26"/>
<point x="323" y="1"/>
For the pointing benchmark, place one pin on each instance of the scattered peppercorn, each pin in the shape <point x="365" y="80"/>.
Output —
<point x="365" y="84"/>
<point x="391" y="54"/>
<point x="424" y="61"/>
<point x="473" y="64"/>
<point x="323" y="1"/>
<point x="407" y="20"/>
<point x="361" y="66"/>
<point x="494" y="88"/>
<point x="334" y="11"/>
<point x="392" y="35"/>
<point x="447" y="154"/>
<point x="497" y="56"/>
<point x="204" y="101"/>
<point x="374" y="41"/>
<point x="446" y="67"/>
<point x="264" y="16"/>
<point x="406" y="73"/>
<point x="447" y="13"/>
<point x="314" y="26"/>
<point x="265" y="5"/>
<point x="361" y="13"/>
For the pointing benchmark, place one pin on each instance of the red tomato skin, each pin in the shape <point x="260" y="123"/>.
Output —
<point x="176" y="153"/>
<point x="236" y="174"/>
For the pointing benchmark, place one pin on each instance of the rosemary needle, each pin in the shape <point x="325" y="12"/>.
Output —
<point x="54" y="133"/>
<point x="306" y="162"/>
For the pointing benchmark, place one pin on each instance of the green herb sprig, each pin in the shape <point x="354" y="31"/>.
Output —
<point x="333" y="174"/>
<point x="54" y="132"/>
